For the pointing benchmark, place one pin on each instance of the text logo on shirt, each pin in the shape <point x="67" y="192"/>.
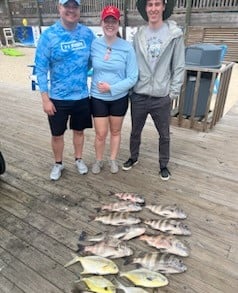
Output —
<point x="73" y="46"/>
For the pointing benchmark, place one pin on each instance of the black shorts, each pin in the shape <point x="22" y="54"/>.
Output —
<point x="102" y="108"/>
<point x="77" y="112"/>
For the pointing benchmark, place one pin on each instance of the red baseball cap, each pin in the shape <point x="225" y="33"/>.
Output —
<point x="111" y="11"/>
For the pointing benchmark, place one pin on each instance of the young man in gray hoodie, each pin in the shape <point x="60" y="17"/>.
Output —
<point x="160" y="55"/>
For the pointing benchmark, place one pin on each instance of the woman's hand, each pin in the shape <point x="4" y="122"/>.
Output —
<point x="103" y="87"/>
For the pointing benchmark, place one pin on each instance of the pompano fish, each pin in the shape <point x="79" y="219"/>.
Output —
<point x="95" y="265"/>
<point x="161" y="262"/>
<point x="132" y="197"/>
<point x="121" y="207"/>
<point x="117" y="219"/>
<point x="99" y="284"/>
<point x="169" y="226"/>
<point x="129" y="289"/>
<point x="168" y="211"/>
<point x="145" y="278"/>
<point x="166" y="244"/>
<point x="107" y="249"/>
<point x="121" y="232"/>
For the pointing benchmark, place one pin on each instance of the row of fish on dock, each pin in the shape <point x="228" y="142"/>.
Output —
<point x="98" y="256"/>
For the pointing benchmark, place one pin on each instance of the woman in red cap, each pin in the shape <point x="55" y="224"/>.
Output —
<point x="115" y="72"/>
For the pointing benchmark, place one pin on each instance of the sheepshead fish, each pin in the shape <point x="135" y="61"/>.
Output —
<point x="166" y="244"/>
<point x="121" y="232"/>
<point x="95" y="265"/>
<point x="99" y="284"/>
<point x="129" y="289"/>
<point x="169" y="226"/>
<point x="168" y="211"/>
<point x="117" y="219"/>
<point x="161" y="262"/>
<point x="107" y="249"/>
<point x="145" y="278"/>
<point x="121" y="207"/>
<point x="132" y="197"/>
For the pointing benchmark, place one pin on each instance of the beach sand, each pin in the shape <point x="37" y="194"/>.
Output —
<point x="15" y="71"/>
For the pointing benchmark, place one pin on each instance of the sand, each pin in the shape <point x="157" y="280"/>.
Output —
<point x="16" y="71"/>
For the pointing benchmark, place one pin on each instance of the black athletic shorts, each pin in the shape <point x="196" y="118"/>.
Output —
<point x="102" y="108"/>
<point x="78" y="113"/>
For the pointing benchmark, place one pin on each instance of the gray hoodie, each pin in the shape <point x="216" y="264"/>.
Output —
<point x="168" y="74"/>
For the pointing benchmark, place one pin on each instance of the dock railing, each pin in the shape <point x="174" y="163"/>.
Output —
<point x="191" y="93"/>
<point x="93" y="7"/>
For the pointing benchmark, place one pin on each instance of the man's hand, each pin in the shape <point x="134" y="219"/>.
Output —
<point x="47" y="104"/>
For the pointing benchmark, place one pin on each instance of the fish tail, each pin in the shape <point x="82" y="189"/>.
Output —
<point x="73" y="261"/>
<point x="128" y="260"/>
<point x="91" y="218"/>
<point x="82" y="236"/>
<point x="80" y="248"/>
<point x="98" y="209"/>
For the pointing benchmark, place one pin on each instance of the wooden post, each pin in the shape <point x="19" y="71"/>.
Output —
<point x="187" y="18"/>
<point x="39" y="12"/>
<point x="125" y="22"/>
<point x="9" y="13"/>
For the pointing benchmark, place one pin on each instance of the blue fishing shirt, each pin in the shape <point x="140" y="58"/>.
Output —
<point x="63" y="57"/>
<point x="115" y="65"/>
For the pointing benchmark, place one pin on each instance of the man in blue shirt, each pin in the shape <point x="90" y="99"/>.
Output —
<point x="62" y="55"/>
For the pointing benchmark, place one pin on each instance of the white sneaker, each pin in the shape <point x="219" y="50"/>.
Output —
<point x="56" y="171"/>
<point x="97" y="167"/>
<point x="82" y="168"/>
<point x="114" y="166"/>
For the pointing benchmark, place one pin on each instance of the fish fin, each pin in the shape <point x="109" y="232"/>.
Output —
<point x="73" y="261"/>
<point x="98" y="209"/>
<point x="111" y="193"/>
<point x="82" y="236"/>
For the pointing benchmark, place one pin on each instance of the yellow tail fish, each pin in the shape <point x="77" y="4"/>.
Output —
<point x="145" y="278"/>
<point x="94" y="264"/>
<point x="99" y="284"/>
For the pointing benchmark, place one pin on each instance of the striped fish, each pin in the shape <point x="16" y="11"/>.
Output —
<point x="168" y="211"/>
<point x="161" y="262"/>
<point x="169" y="226"/>
<point x="166" y="244"/>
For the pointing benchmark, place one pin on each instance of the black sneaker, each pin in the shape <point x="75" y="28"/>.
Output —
<point x="164" y="174"/>
<point x="129" y="164"/>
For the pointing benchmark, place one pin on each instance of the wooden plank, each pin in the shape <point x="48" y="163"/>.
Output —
<point x="6" y="285"/>
<point x="40" y="220"/>
<point x="21" y="275"/>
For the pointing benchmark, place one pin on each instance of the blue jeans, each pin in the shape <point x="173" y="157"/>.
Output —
<point x="159" y="109"/>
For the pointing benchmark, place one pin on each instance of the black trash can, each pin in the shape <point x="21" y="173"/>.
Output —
<point x="200" y="55"/>
<point x="203" y="93"/>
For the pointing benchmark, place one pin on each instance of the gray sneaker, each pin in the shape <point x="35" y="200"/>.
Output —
<point x="82" y="168"/>
<point x="114" y="166"/>
<point x="56" y="171"/>
<point x="97" y="167"/>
